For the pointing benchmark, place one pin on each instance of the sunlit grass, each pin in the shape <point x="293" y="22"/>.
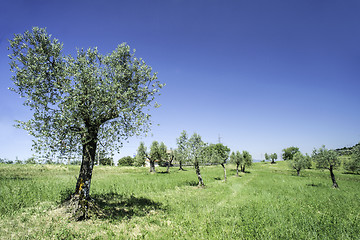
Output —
<point x="268" y="202"/>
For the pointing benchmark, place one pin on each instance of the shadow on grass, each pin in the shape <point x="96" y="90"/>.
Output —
<point x="6" y="178"/>
<point x="234" y="171"/>
<point x="192" y="183"/>
<point x="315" y="185"/>
<point x="117" y="206"/>
<point x="351" y="173"/>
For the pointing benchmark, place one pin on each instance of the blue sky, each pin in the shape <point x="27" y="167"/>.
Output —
<point x="262" y="75"/>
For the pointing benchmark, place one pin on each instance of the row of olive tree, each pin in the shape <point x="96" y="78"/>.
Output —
<point x="191" y="151"/>
<point x="323" y="159"/>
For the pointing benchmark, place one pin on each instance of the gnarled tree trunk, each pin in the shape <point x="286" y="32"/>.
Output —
<point x="197" y="169"/>
<point x="223" y="165"/>
<point x="81" y="198"/>
<point x="335" y="185"/>
<point x="181" y="168"/>
<point x="152" y="166"/>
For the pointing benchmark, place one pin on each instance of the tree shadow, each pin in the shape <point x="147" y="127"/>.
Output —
<point x="118" y="206"/>
<point x="217" y="178"/>
<point x="192" y="183"/>
<point x="351" y="173"/>
<point x="314" y="185"/>
<point x="114" y="206"/>
<point x="6" y="178"/>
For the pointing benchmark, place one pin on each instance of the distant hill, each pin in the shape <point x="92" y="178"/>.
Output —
<point x="345" y="150"/>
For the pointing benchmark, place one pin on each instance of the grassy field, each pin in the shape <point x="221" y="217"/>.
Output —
<point x="269" y="202"/>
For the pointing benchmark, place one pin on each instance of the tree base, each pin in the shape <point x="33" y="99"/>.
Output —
<point x="83" y="209"/>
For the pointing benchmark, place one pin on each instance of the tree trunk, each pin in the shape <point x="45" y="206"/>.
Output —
<point x="87" y="165"/>
<point x="272" y="161"/>
<point x="197" y="169"/>
<point x="335" y="185"/>
<point x="81" y="198"/>
<point x="237" y="170"/>
<point x="152" y="166"/>
<point x="223" y="165"/>
<point x="181" y="168"/>
<point x="298" y="172"/>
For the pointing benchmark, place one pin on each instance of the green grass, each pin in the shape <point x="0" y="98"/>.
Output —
<point x="269" y="202"/>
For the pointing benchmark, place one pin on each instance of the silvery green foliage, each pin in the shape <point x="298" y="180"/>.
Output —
<point x="236" y="158"/>
<point x="353" y="163"/>
<point x="247" y="158"/>
<point x="325" y="158"/>
<point x="196" y="148"/>
<point x="140" y="155"/>
<point x="217" y="153"/>
<point x="298" y="161"/>
<point x="182" y="151"/>
<point x="71" y="96"/>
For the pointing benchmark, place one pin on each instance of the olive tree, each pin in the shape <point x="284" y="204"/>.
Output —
<point x="288" y="153"/>
<point x="218" y="154"/>
<point x="182" y="150"/>
<point x="326" y="159"/>
<point x="267" y="157"/>
<point x="140" y="157"/>
<point x="298" y="162"/>
<point x="273" y="157"/>
<point x="247" y="160"/>
<point x="171" y="156"/>
<point x="81" y="101"/>
<point x="195" y="150"/>
<point x="237" y="159"/>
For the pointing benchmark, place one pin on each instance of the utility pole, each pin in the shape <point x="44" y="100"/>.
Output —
<point x="219" y="138"/>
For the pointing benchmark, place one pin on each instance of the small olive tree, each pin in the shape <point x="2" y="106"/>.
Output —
<point x="140" y="157"/>
<point x="273" y="157"/>
<point x="218" y="154"/>
<point x="195" y="150"/>
<point x="327" y="159"/>
<point x="182" y="150"/>
<point x="237" y="159"/>
<point x="247" y="160"/>
<point x="298" y="162"/>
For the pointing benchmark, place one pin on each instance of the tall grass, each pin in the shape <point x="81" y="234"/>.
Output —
<point x="269" y="202"/>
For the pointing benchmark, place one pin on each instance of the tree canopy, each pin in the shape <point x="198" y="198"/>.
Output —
<point x="182" y="150"/>
<point x="73" y="96"/>
<point x="288" y="153"/>
<point x="352" y="164"/>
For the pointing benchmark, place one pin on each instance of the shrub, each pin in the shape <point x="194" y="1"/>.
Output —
<point x="126" y="161"/>
<point x="352" y="164"/>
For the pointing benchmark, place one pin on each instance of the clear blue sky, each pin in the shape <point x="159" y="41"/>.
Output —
<point x="264" y="75"/>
